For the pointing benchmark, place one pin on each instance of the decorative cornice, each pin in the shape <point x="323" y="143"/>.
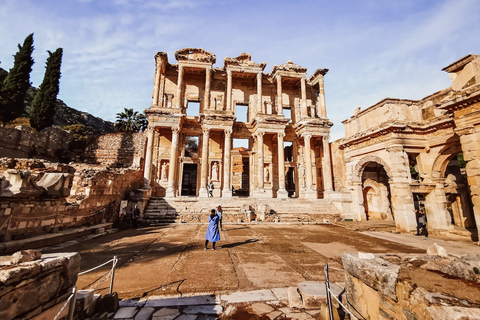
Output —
<point x="195" y="54"/>
<point x="243" y="60"/>
<point x="459" y="64"/>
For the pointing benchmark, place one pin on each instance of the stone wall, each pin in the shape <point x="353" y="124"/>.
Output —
<point x="24" y="142"/>
<point x="34" y="288"/>
<point x="38" y="197"/>
<point x="118" y="149"/>
<point x="413" y="287"/>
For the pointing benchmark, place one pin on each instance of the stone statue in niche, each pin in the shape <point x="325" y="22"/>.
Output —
<point x="301" y="174"/>
<point x="266" y="174"/>
<point x="164" y="171"/>
<point x="215" y="171"/>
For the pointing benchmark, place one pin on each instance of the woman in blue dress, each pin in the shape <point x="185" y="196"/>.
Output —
<point x="213" y="234"/>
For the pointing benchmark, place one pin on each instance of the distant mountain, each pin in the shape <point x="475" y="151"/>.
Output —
<point x="64" y="115"/>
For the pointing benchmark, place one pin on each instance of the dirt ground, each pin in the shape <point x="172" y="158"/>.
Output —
<point x="171" y="259"/>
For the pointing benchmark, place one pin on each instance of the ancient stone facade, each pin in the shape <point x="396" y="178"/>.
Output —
<point x="413" y="156"/>
<point x="281" y="115"/>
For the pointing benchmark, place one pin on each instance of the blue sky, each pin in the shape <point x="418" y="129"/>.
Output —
<point x="373" y="48"/>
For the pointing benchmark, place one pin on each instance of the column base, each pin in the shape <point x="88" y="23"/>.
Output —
<point x="203" y="193"/>
<point x="282" y="194"/>
<point x="227" y="193"/>
<point x="311" y="194"/>
<point x="170" y="192"/>
<point x="260" y="193"/>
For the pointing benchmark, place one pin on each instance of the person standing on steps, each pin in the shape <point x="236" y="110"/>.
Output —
<point x="135" y="215"/>
<point x="213" y="234"/>
<point x="220" y="216"/>
<point x="210" y="189"/>
<point x="422" y="224"/>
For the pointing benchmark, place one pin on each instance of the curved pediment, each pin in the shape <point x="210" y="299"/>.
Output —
<point x="195" y="54"/>
<point x="289" y="66"/>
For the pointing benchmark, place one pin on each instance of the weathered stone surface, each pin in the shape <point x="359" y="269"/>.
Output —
<point x="144" y="314"/>
<point x="261" y="308"/>
<point x="26" y="256"/>
<point x="208" y="309"/>
<point x="166" y="314"/>
<point x="256" y="295"/>
<point x="274" y="314"/>
<point x="453" y="313"/>
<point x="314" y="294"/>
<point x="294" y="298"/>
<point x="377" y="273"/>
<point x="125" y="313"/>
<point x="436" y="250"/>
<point x="158" y="301"/>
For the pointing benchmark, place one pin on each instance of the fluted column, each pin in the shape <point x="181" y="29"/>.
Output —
<point x="259" y="93"/>
<point x="170" y="192"/>
<point x="322" y="111"/>
<point x="178" y="102"/>
<point x="282" y="192"/>
<point x="308" y="160"/>
<point x="260" y="161"/>
<point x="147" y="172"/>
<point x="208" y="77"/>
<point x="229" y="91"/>
<point x="326" y="165"/>
<point x="156" y="87"/>
<point x="227" y="191"/>
<point x="279" y="95"/>
<point x="303" y="106"/>
<point x="204" y="170"/>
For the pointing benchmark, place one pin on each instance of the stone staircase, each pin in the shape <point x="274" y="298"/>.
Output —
<point x="160" y="211"/>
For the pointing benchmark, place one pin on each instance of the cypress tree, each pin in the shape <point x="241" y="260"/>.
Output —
<point x="43" y="105"/>
<point x="17" y="82"/>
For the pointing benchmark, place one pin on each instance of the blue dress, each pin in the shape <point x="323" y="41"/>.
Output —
<point x="213" y="234"/>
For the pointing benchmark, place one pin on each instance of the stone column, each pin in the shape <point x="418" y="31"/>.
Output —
<point x="207" y="88"/>
<point x="157" y="82"/>
<point x="310" y="193"/>
<point x="260" y="162"/>
<point x="259" y="93"/>
<point x="279" y="95"/>
<point x="204" y="170"/>
<point x="322" y="110"/>
<point x="303" y="106"/>
<point x="357" y="201"/>
<point x="227" y="190"/>
<point x="229" y="91"/>
<point x="326" y="166"/>
<point x="438" y="216"/>
<point x="147" y="172"/>
<point x="282" y="192"/>
<point x="172" y="166"/>
<point x="178" y="102"/>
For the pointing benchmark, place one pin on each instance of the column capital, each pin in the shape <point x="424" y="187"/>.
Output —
<point x="206" y="131"/>
<point x="229" y="73"/>
<point x="307" y="136"/>
<point x="326" y="138"/>
<point x="228" y="131"/>
<point x="175" y="130"/>
<point x="278" y="77"/>
<point x="259" y="134"/>
<point x="281" y="135"/>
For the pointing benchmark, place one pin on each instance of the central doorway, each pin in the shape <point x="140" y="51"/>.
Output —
<point x="189" y="179"/>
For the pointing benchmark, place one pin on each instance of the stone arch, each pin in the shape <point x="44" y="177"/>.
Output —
<point x="357" y="173"/>
<point x="441" y="161"/>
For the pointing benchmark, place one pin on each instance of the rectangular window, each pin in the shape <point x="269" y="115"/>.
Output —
<point x="287" y="112"/>
<point x="191" y="147"/>
<point x="193" y="108"/>
<point x="240" y="143"/>
<point x="241" y="112"/>
<point x="288" y="150"/>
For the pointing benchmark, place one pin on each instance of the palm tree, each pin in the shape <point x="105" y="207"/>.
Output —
<point x="131" y="121"/>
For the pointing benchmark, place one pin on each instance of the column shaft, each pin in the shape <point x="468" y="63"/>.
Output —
<point x="147" y="172"/>
<point x="207" y="88"/>
<point x="229" y="91"/>
<point x="259" y="93"/>
<point x="323" y="109"/>
<point x="172" y="164"/>
<point x="156" y="89"/>
<point x="204" y="169"/>
<point x="326" y="165"/>
<point x="260" y="160"/>
<point x="282" y="193"/>
<point x="279" y="95"/>
<point x="178" y="103"/>
<point x="227" y="191"/>
<point x="303" y="106"/>
<point x="308" y="161"/>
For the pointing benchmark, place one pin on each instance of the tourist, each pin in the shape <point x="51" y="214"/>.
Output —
<point x="135" y="215"/>
<point x="220" y="216"/>
<point x="213" y="235"/>
<point x="422" y="224"/>
<point x="210" y="189"/>
<point x="417" y="216"/>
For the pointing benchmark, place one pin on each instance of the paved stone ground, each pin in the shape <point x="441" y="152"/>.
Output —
<point x="169" y="263"/>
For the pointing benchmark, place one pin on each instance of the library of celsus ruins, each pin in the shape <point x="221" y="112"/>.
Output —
<point x="278" y="118"/>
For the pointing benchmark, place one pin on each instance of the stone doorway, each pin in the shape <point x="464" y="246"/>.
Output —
<point x="189" y="179"/>
<point x="376" y="193"/>
<point x="290" y="182"/>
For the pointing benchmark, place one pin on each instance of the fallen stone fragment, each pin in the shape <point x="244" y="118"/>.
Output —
<point x="274" y="314"/>
<point x="436" y="250"/>
<point x="261" y="308"/>
<point x="294" y="298"/>
<point x="26" y="256"/>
